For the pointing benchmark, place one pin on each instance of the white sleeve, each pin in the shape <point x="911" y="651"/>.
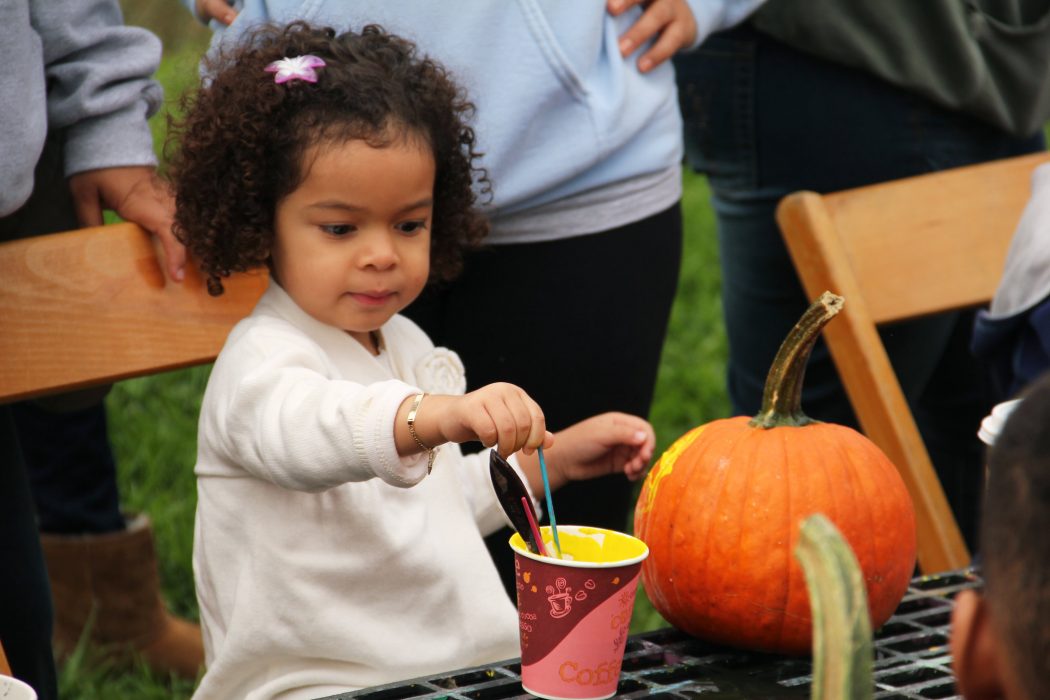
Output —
<point x="285" y="421"/>
<point x="1026" y="274"/>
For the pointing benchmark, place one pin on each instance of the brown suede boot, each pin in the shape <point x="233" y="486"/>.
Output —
<point x="112" y="581"/>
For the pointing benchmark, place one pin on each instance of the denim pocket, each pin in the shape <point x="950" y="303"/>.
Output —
<point x="716" y="93"/>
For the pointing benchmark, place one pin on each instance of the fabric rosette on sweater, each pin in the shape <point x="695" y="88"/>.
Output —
<point x="441" y="371"/>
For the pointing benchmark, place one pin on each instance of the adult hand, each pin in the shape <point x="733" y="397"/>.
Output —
<point x="219" y="10"/>
<point x="136" y="194"/>
<point x="670" y="21"/>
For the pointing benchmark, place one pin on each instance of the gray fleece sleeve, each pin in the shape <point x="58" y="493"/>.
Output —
<point x="98" y="76"/>
<point x="22" y="105"/>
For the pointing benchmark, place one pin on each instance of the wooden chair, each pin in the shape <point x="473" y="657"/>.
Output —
<point x="92" y="306"/>
<point x="895" y="251"/>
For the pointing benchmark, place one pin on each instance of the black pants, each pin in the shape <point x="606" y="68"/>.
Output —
<point x="25" y="596"/>
<point x="579" y="324"/>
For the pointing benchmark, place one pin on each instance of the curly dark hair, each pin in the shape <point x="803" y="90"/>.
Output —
<point x="240" y="148"/>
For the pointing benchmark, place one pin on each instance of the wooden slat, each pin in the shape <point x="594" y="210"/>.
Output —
<point x="901" y="231"/>
<point x="93" y="306"/>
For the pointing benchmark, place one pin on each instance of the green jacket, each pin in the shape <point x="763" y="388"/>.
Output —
<point x="989" y="58"/>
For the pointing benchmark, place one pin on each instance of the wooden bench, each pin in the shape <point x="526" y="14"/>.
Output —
<point x="93" y="306"/>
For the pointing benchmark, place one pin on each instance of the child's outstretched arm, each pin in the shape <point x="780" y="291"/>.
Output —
<point x="604" y="444"/>
<point x="498" y="415"/>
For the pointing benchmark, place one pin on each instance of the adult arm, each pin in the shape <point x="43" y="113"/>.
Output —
<point x="99" y="91"/>
<point x="23" y="126"/>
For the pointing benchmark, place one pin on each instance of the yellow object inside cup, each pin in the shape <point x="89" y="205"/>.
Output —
<point x="587" y="547"/>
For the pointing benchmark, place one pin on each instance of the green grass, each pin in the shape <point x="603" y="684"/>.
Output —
<point x="153" y="420"/>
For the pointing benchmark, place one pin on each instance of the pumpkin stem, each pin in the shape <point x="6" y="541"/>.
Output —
<point x="842" y="649"/>
<point x="782" y="396"/>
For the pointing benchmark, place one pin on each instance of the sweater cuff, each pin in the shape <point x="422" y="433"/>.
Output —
<point x="376" y="443"/>
<point x="117" y="139"/>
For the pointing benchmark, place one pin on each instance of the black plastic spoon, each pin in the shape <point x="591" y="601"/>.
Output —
<point x="510" y="491"/>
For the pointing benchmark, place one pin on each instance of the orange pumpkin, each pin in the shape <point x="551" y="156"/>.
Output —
<point x="721" y="510"/>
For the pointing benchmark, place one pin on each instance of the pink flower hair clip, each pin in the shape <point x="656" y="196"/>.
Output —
<point x="297" y="68"/>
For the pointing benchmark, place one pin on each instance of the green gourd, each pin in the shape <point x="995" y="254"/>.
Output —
<point x="842" y="646"/>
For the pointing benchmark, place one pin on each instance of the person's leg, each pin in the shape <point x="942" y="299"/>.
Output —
<point x="71" y="469"/>
<point x="764" y="120"/>
<point x="64" y="442"/>
<point x="579" y="324"/>
<point x="25" y="601"/>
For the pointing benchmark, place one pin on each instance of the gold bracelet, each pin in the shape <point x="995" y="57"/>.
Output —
<point x="431" y="451"/>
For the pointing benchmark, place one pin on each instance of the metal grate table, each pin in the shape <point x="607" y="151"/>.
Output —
<point x="911" y="661"/>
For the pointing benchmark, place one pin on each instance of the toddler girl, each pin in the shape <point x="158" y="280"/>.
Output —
<point x="338" y="538"/>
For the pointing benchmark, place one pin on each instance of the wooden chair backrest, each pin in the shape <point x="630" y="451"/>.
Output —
<point x="92" y="306"/>
<point x="900" y="250"/>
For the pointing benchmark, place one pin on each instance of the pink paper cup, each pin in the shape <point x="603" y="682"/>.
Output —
<point x="574" y="612"/>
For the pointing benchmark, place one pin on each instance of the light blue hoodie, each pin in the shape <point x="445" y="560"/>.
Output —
<point x="560" y="113"/>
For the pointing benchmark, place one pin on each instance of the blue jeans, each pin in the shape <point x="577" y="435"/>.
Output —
<point x="763" y="120"/>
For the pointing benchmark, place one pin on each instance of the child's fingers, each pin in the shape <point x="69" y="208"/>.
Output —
<point x="535" y="426"/>
<point x="634" y="468"/>
<point x="632" y="430"/>
<point x="636" y="439"/>
<point x="512" y="422"/>
<point x="485" y="429"/>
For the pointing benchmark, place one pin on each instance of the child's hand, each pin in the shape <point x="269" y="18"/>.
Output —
<point x="605" y="444"/>
<point x="498" y="415"/>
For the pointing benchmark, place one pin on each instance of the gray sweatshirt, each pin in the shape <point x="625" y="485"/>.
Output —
<point x="74" y="65"/>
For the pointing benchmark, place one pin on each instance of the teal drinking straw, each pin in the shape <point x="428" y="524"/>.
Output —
<point x="550" y="503"/>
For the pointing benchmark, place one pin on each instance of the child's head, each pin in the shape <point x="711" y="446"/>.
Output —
<point x="1001" y="640"/>
<point x="247" y="144"/>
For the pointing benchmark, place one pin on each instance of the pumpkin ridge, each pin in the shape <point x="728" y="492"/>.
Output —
<point x="668" y="520"/>
<point x="869" y="554"/>
<point x="838" y="481"/>
<point x="736" y="577"/>
<point x="673" y="521"/>
<point x="790" y="528"/>
<point x="708" y="521"/>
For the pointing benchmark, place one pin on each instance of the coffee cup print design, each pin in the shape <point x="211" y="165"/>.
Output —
<point x="560" y="596"/>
